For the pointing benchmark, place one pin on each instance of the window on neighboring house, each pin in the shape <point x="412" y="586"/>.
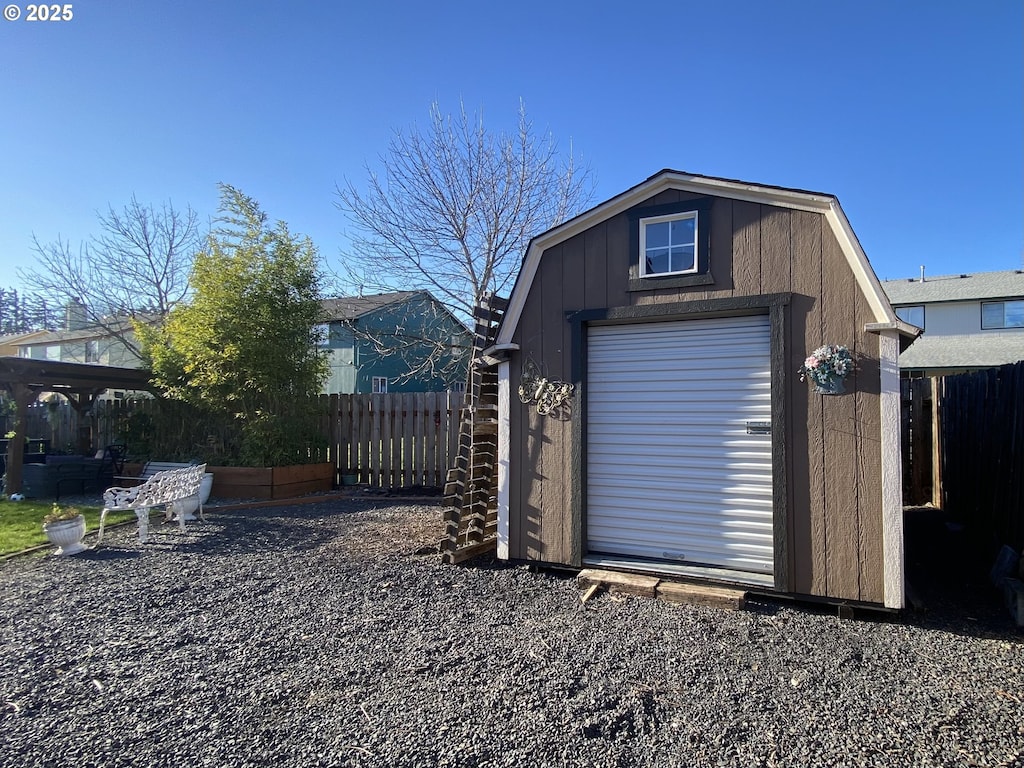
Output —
<point x="459" y="387"/>
<point x="912" y="315"/>
<point x="670" y="245"/>
<point x="457" y="345"/>
<point x="53" y="352"/>
<point x="1002" y="314"/>
<point x="322" y="331"/>
<point x="92" y="351"/>
<point x="380" y="385"/>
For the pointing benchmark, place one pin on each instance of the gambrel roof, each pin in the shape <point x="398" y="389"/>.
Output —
<point x="796" y="199"/>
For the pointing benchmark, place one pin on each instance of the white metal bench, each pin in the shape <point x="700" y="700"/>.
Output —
<point x="150" y="468"/>
<point x="162" y="489"/>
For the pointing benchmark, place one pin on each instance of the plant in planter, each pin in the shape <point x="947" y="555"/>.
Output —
<point x="828" y="367"/>
<point x="65" y="528"/>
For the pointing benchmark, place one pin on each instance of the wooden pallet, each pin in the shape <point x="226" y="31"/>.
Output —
<point x="617" y="582"/>
<point x="471" y="509"/>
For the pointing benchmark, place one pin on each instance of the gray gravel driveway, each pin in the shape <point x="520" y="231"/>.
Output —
<point x="325" y="635"/>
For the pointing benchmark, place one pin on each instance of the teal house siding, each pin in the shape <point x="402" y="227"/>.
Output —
<point x="393" y="336"/>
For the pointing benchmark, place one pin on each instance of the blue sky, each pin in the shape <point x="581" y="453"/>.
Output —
<point x="909" y="112"/>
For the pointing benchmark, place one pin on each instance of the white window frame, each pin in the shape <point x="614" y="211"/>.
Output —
<point x="379" y="385"/>
<point x="644" y="223"/>
<point x="92" y="351"/>
<point x="1002" y="323"/>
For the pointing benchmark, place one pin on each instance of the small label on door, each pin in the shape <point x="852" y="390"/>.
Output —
<point x="759" y="427"/>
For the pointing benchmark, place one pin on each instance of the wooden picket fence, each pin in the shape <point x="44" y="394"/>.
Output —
<point x="394" y="440"/>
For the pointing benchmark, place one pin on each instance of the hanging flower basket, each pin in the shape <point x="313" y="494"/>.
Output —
<point x="827" y="367"/>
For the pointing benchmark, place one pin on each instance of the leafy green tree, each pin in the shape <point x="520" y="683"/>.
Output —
<point x="245" y="344"/>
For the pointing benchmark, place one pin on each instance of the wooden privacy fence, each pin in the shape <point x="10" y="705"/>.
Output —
<point x="394" y="440"/>
<point x="982" y="434"/>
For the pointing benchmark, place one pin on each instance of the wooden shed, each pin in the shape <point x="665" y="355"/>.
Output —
<point x="650" y="414"/>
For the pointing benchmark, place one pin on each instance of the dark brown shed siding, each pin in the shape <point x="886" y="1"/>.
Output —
<point x="833" y="449"/>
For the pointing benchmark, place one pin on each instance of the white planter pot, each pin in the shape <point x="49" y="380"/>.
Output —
<point x="189" y="506"/>
<point x="67" y="535"/>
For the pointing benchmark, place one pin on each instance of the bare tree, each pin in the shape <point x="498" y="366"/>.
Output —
<point x="137" y="268"/>
<point x="455" y="206"/>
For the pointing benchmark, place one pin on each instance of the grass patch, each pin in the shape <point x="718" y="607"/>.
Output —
<point x="21" y="523"/>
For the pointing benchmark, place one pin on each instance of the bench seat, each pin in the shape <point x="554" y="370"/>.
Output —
<point x="162" y="489"/>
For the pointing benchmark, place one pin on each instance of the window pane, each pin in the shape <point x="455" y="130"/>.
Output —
<point x="992" y="314"/>
<point x="682" y="258"/>
<point x="1013" y="316"/>
<point x="657" y="235"/>
<point x="682" y="231"/>
<point x="657" y="261"/>
<point x="912" y="315"/>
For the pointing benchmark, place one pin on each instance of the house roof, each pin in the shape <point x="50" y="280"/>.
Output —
<point x="977" y="350"/>
<point x="784" y="197"/>
<point x="352" y="307"/>
<point x="12" y="339"/>
<point x="95" y="331"/>
<point x="965" y="287"/>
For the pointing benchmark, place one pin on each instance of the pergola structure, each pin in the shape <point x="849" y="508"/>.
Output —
<point x="80" y="383"/>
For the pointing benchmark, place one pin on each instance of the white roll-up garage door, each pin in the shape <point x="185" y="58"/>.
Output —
<point x="679" y="459"/>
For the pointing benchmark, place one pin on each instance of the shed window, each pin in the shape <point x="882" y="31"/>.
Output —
<point x="668" y="245"/>
<point x="1002" y="314"/>
<point x="912" y="315"/>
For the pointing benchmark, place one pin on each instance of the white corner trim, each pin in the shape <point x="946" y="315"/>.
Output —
<point x="503" y="459"/>
<point x="892" y="471"/>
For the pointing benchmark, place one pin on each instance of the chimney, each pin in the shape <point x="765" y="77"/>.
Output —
<point x="922" y="273"/>
<point x="75" y="318"/>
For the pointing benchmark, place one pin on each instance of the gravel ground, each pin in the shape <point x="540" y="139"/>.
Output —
<point x="327" y="635"/>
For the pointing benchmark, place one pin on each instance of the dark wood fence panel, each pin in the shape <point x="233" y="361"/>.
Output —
<point x="982" y="417"/>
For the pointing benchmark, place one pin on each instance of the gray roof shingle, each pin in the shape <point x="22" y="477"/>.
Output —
<point x="977" y="350"/>
<point x="965" y="287"/>
<point x="351" y="307"/>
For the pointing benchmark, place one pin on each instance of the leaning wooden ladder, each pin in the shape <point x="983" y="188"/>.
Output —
<point x="471" y="509"/>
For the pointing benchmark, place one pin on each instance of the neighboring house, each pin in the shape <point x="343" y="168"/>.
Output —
<point x="83" y="345"/>
<point x="680" y="311"/>
<point x="970" y="321"/>
<point x="9" y="344"/>
<point x="394" y="342"/>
